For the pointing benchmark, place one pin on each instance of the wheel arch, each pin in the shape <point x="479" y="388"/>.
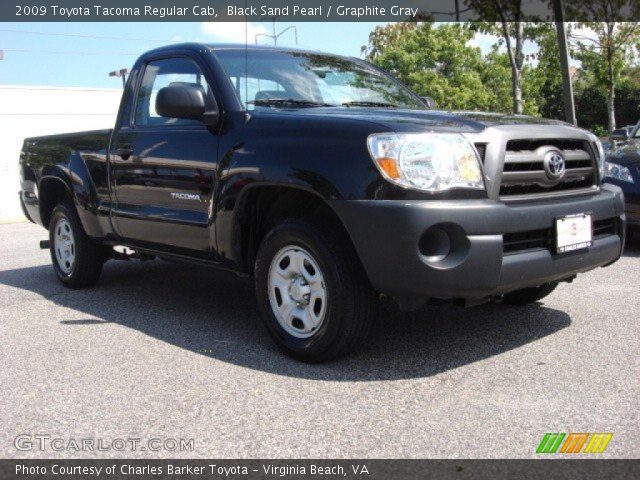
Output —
<point x="52" y="190"/>
<point x="70" y="181"/>
<point x="262" y="206"/>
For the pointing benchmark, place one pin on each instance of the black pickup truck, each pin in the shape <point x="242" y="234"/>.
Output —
<point x="330" y="183"/>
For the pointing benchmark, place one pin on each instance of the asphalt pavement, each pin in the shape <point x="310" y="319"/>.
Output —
<point x="174" y="359"/>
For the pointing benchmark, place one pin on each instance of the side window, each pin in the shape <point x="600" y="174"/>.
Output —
<point x="162" y="73"/>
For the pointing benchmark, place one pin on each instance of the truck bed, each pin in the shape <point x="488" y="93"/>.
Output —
<point x="80" y="156"/>
<point x="90" y="139"/>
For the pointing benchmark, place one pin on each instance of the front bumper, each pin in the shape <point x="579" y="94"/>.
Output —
<point x="387" y="236"/>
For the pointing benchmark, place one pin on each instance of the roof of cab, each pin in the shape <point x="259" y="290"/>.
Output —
<point x="227" y="46"/>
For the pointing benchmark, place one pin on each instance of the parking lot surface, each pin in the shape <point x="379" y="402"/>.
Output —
<point x="167" y="351"/>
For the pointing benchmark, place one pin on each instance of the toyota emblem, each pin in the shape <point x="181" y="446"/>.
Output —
<point x="554" y="165"/>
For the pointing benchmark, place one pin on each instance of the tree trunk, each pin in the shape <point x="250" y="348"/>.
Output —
<point x="611" y="106"/>
<point x="516" y="89"/>
<point x="519" y="63"/>
<point x="516" y="60"/>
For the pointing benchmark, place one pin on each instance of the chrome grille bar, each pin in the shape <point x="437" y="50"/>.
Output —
<point x="524" y="175"/>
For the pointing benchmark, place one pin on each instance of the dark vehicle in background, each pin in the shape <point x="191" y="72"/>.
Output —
<point x="329" y="183"/>
<point x="620" y="136"/>
<point x="622" y="168"/>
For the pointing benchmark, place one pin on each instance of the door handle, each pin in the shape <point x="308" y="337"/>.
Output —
<point x="125" y="152"/>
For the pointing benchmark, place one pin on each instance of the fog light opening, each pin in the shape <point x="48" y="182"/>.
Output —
<point x="435" y="245"/>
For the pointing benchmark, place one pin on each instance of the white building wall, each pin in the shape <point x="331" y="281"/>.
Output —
<point x="32" y="111"/>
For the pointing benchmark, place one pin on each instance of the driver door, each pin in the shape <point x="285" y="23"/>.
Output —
<point x="163" y="169"/>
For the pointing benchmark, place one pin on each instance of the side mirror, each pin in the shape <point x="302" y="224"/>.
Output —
<point x="184" y="101"/>
<point x="429" y="102"/>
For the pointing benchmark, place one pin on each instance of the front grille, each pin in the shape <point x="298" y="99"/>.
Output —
<point x="524" y="174"/>
<point x="545" y="238"/>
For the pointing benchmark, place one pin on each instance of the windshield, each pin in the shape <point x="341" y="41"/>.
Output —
<point x="270" y="78"/>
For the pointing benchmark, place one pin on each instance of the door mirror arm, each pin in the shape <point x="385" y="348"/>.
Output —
<point x="211" y="117"/>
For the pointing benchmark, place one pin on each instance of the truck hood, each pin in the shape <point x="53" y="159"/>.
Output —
<point x="418" y="120"/>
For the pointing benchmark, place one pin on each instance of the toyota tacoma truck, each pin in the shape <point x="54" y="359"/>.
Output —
<point x="328" y="182"/>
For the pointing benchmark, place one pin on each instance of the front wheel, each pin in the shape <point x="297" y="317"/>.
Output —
<point x="529" y="295"/>
<point x="313" y="296"/>
<point x="77" y="260"/>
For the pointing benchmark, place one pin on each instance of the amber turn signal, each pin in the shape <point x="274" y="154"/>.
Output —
<point x="389" y="166"/>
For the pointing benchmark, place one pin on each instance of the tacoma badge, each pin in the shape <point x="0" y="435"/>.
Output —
<point x="185" y="196"/>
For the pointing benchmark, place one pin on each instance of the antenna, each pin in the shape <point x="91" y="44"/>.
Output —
<point x="275" y="34"/>
<point x="246" y="58"/>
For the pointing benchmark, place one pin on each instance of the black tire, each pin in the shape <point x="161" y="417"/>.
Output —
<point x="350" y="298"/>
<point x="529" y="295"/>
<point x="89" y="256"/>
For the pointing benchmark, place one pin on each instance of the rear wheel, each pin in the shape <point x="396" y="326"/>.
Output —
<point x="313" y="296"/>
<point x="529" y="295"/>
<point x="77" y="260"/>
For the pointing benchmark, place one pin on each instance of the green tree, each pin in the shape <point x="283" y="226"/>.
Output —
<point x="496" y="79"/>
<point x="545" y="78"/>
<point x="606" y="47"/>
<point x="495" y="74"/>
<point x="382" y="36"/>
<point x="512" y="29"/>
<point x="435" y="61"/>
<point x="591" y="103"/>
<point x="628" y="97"/>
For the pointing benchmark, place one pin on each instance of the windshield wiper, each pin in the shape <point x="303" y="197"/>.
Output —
<point x="283" y="102"/>
<point x="365" y="103"/>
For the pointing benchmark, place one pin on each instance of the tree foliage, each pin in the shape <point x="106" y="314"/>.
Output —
<point x="544" y="82"/>
<point x="443" y="62"/>
<point x="604" y="48"/>
<point x="511" y="30"/>
<point x="436" y="61"/>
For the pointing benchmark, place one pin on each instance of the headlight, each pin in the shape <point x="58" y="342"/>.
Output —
<point x="600" y="152"/>
<point x="427" y="161"/>
<point x="618" y="172"/>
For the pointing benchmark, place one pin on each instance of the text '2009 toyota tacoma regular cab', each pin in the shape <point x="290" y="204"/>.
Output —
<point x="330" y="183"/>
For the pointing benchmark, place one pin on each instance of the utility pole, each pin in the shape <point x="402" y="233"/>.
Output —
<point x="121" y="73"/>
<point x="567" y="88"/>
